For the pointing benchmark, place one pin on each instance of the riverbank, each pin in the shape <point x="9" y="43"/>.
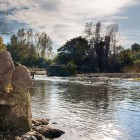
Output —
<point x="110" y="75"/>
<point x="36" y="71"/>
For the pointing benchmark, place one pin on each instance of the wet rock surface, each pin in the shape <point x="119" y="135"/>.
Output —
<point x="41" y="130"/>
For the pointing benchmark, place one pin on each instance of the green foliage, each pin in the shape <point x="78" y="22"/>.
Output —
<point x="28" y="49"/>
<point x="122" y="59"/>
<point x="96" y="52"/>
<point x="137" y="61"/>
<point x="41" y="41"/>
<point x="101" y="46"/>
<point x="135" y="55"/>
<point x="132" y="64"/>
<point x="71" y="68"/>
<point x="75" y="51"/>
<point x="135" y="47"/>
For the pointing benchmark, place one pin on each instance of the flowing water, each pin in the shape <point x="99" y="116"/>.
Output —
<point x="89" y="108"/>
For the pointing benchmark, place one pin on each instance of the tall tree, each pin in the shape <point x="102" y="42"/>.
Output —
<point x="41" y="41"/>
<point x="99" y="45"/>
<point x="74" y="50"/>
<point x="135" y="47"/>
<point x="112" y="31"/>
<point x="89" y="33"/>
<point x="29" y="49"/>
<point x="102" y="46"/>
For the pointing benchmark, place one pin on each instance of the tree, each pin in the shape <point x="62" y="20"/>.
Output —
<point x="102" y="46"/>
<point x="89" y="33"/>
<point x="99" y="45"/>
<point x="44" y="44"/>
<point x="135" y="47"/>
<point x="74" y="50"/>
<point x="112" y="32"/>
<point x="41" y="41"/>
<point x="29" y="49"/>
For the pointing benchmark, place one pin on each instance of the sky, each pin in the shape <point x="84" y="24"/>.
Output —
<point x="63" y="20"/>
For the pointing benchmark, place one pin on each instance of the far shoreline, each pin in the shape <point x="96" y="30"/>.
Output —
<point x="91" y="75"/>
<point x="110" y="75"/>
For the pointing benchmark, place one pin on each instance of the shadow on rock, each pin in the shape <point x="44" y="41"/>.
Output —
<point x="40" y="131"/>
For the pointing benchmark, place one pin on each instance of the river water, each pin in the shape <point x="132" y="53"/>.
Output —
<point x="89" y="108"/>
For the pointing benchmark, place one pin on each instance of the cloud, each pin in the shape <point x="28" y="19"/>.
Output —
<point x="64" y="19"/>
<point x="129" y="37"/>
<point x="125" y="40"/>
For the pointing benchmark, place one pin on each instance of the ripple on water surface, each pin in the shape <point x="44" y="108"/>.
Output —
<point x="89" y="108"/>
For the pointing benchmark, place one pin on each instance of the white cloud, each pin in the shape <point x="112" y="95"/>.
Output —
<point x="64" y="19"/>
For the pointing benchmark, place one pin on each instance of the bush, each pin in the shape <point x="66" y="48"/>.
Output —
<point x="71" y="69"/>
<point x="137" y="62"/>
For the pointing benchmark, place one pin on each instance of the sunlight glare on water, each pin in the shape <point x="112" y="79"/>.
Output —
<point x="89" y="108"/>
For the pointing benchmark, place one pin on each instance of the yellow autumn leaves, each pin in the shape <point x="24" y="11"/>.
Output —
<point x="2" y="46"/>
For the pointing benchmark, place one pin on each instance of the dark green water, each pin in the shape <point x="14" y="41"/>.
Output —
<point x="89" y="109"/>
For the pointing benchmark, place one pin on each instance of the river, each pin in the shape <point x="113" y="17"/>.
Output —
<point x="89" y="108"/>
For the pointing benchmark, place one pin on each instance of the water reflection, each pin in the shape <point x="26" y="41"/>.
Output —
<point x="89" y="109"/>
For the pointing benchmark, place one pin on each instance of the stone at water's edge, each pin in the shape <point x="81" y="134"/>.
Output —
<point x="15" y="111"/>
<point x="42" y="130"/>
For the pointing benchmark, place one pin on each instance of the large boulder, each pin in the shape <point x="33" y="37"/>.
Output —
<point x="6" y="71"/>
<point x="15" y="111"/>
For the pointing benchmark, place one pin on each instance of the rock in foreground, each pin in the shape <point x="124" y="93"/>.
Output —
<point x="40" y="131"/>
